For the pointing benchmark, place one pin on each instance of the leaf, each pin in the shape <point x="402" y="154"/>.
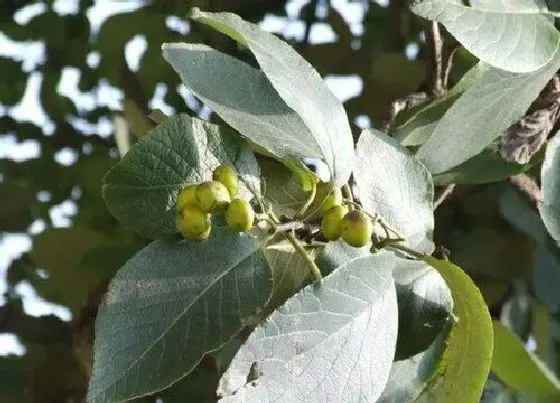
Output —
<point x="528" y="374"/>
<point x="289" y="272"/>
<point x="395" y="185"/>
<point x="424" y="300"/>
<point x="201" y="382"/>
<point x="496" y="392"/>
<point x="545" y="263"/>
<point x="485" y="110"/>
<point x="244" y="98"/>
<point x="333" y="341"/>
<point x="170" y="305"/>
<point x="282" y="188"/>
<point x="549" y="207"/>
<point x="416" y="130"/>
<point x="409" y="377"/>
<point x="516" y="36"/>
<point x="337" y="253"/>
<point x="299" y="85"/>
<point x="425" y="305"/>
<point x="141" y="190"/>
<point x="467" y="355"/>
<point x="486" y="167"/>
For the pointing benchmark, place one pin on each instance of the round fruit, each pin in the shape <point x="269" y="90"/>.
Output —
<point x="240" y="215"/>
<point x="333" y="199"/>
<point x="331" y="224"/>
<point x="212" y="197"/>
<point x="356" y="228"/>
<point x="226" y="175"/>
<point x="194" y="223"/>
<point x="187" y="196"/>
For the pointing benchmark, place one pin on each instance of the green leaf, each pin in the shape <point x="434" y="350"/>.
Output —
<point x="409" y="377"/>
<point x="289" y="272"/>
<point x="333" y="341"/>
<point x="549" y="207"/>
<point x="397" y="186"/>
<point x="299" y="85"/>
<point x="516" y="36"/>
<point x="528" y="374"/>
<point x="425" y="306"/>
<point x="486" y="167"/>
<point x="496" y="100"/>
<point x="337" y="253"/>
<point x="201" y="382"/>
<point x="467" y="356"/>
<point x="282" y="188"/>
<point x="141" y="190"/>
<point x="170" y="305"/>
<point x="545" y="262"/>
<point x="424" y="300"/>
<point x="416" y="130"/>
<point x="244" y="98"/>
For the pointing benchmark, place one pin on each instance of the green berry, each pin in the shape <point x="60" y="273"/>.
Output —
<point x="356" y="229"/>
<point x="226" y="175"/>
<point x="212" y="197"/>
<point x="333" y="199"/>
<point x="187" y="196"/>
<point x="194" y="223"/>
<point x="240" y="215"/>
<point x="331" y="224"/>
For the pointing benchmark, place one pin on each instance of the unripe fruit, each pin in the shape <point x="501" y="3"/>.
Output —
<point x="194" y="223"/>
<point x="240" y="215"/>
<point x="226" y="175"/>
<point x="333" y="199"/>
<point x="331" y="224"/>
<point x="187" y="196"/>
<point x="212" y="197"/>
<point x="357" y="228"/>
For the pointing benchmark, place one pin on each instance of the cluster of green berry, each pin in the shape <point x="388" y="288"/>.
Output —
<point x="197" y="202"/>
<point x="354" y="226"/>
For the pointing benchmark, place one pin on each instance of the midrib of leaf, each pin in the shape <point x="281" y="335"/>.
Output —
<point x="173" y="323"/>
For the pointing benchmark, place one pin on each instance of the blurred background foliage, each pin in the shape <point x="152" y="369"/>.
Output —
<point x="69" y="68"/>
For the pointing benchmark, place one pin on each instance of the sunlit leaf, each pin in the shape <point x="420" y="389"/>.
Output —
<point x="141" y="190"/>
<point x="479" y="116"/>
<point x="515" y="36"/>
<point x="170" y="305"/>
<point x="334" y="341"/>
<point x="299" y="85"/>
<point x="397" y="186"/>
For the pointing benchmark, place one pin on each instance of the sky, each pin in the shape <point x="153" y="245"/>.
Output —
<point x="12" y="245"/>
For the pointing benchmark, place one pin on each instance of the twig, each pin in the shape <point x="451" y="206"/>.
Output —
<point x="434" y="65"/>
<point x="443" y="195"/>
<point x="290" y="226"/>
<point x="438" y="66"/>
<point x="309" y="19"/>
<point x="313" y="268"/>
